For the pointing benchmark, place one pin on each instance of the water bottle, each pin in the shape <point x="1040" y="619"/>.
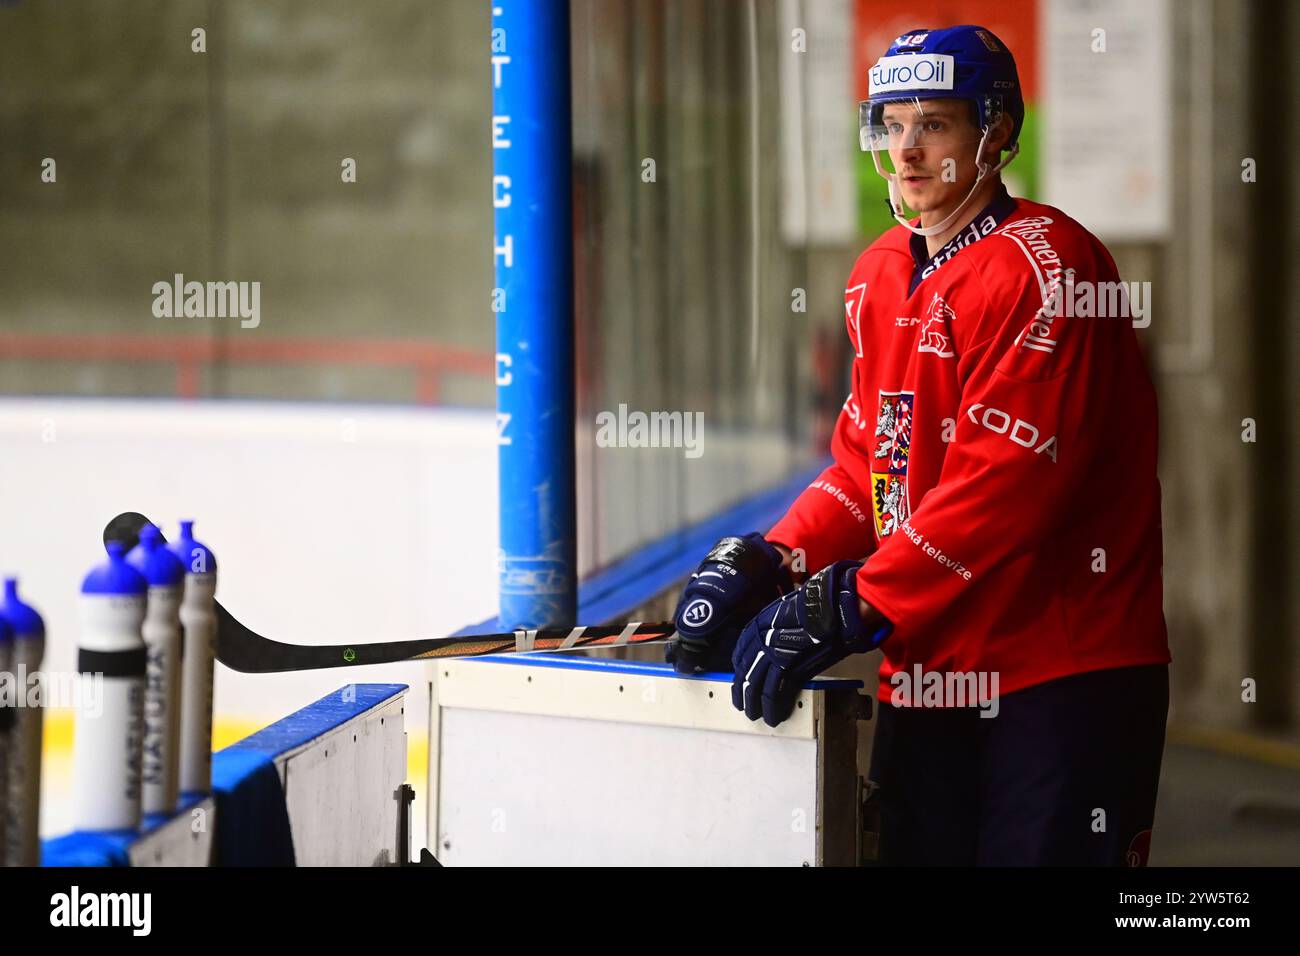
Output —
<point x="199" y="625"/>
<point x="160" y="761"/>
<point x="110" y="698"/>
<point x="22" y="843"/>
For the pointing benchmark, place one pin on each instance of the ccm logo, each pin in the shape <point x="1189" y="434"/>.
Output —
<point x="1018" y="430"/>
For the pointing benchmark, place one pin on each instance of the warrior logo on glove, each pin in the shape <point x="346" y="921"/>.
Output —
<point x="697" y="613"/>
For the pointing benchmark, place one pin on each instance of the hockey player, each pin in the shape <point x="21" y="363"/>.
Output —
<point x="962" y="527"/>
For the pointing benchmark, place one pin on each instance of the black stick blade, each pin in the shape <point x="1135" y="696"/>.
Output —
<point x="242" y="649"/>
<point x="126" y="529"/>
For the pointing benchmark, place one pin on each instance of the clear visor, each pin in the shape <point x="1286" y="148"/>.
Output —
<point x="919" y="135"/>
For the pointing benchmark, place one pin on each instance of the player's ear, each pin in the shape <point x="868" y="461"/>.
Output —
<point x="1008" y="127"/>
<point x="999" y="136"/>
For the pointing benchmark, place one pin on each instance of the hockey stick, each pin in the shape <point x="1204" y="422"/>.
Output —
<point x="243" y="649"/>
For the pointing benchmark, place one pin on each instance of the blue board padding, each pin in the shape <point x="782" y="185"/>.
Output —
<point x="252" y="819"/>
<point x="641" y="669"/>
<point x="615" y="591"/>
<point x="106" y="848"/>
<point x="318" y="718"/>
<point x="83" y="848"/>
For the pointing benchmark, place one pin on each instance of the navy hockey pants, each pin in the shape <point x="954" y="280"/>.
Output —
<point x="1065" y="775"/>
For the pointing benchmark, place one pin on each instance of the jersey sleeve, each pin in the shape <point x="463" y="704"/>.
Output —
<point x="830" y="521"/>
<point x="1033" y="416"/>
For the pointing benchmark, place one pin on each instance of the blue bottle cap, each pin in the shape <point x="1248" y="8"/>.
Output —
<point x="151" y="558"/>
<point x="194" y="555"/>
<point x="21" y="617"/>
<point x="114" y="576"/>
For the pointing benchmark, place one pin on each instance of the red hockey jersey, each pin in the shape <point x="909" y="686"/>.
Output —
<point x="995" y="462"/>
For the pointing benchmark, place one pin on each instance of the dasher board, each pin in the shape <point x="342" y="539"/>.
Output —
<point x="586" y="762"/>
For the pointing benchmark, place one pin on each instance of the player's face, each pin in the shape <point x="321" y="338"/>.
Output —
<point x="932" y="146"/>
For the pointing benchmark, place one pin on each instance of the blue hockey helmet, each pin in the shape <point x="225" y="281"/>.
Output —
<point x="964" y="63"/>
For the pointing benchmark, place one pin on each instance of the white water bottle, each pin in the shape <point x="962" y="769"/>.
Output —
<point x="22" y="845"/>
<point x="199" y="626"/>
<point x="160" y="760"/>
<point x="110" y="704"/>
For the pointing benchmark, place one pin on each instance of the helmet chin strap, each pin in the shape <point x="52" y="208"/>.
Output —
<point x="896" y="196"/>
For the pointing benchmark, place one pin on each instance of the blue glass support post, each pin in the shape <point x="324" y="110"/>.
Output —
<point x="533" y="303"/>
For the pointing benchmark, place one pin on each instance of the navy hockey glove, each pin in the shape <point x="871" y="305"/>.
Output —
<point x="797" y="637"/>
<point x="733" y="583"/>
